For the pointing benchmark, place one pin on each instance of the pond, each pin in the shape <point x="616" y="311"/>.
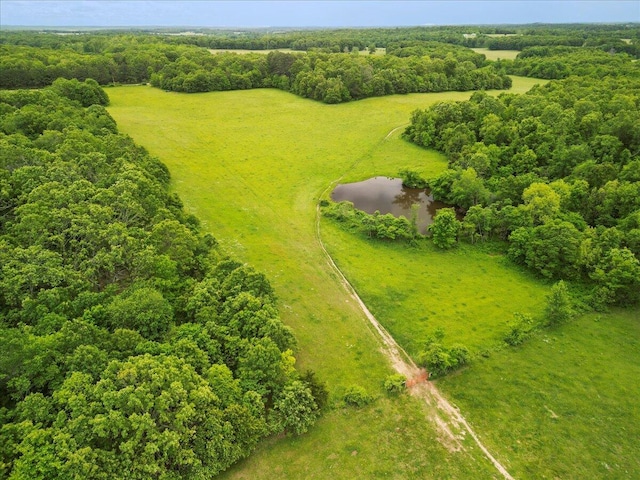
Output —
<point x="388" y="195"/>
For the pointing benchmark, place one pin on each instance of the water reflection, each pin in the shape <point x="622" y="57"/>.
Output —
<point x="389" y="196"/>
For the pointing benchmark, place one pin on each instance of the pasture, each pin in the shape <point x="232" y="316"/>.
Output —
<point x="242" y="51"/>
<point x="497" y="54"/>
<point x="252" y="166"/>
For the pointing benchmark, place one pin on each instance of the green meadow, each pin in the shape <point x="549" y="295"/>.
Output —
<point x="497" y="54"/>
<point x="243" y="51"/>
<point x="252" y="166"/>
<point x="564" y="404"/>
<point x="470" y="293"/>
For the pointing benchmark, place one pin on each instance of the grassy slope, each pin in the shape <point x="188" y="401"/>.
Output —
<point x="220" y="148"/>
<point x="565" y="404"/>
<point x="251" y="166"/>
<point x="469" y="292"/>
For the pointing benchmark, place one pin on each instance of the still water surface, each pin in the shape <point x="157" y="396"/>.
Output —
<point x="389" y="196"/>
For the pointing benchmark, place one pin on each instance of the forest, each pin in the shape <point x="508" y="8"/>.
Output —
<point x="130" y="343"/>
<point x="556" y="172"/>
<point x="134" y="342"/>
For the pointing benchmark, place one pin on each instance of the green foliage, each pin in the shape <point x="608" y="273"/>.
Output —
<point x="520" y="329"/>
<point x="554" y="167"/>
<point x="294" y="409"/>
<point x="384" y="227"/>
<point x="439" y="359"/>
<point x="127" y="345"/>
<point x="327" y="76"/>
<point x="445" y="228"/>
<point x="148" y="416"/>
<point x="143" y="310"/>
<point x="87" y="93"/>
<point x="412" y="179"/>
<point x="561" y="62"/>
<point x="357" y="396"/>
<point x="318" y="388"/>
<point x="559" y="309"/>
<point x="395" y="384"/>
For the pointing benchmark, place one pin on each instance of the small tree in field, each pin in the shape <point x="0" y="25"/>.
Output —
<point x="445" y="228"/>
<point x="558" y="305"/>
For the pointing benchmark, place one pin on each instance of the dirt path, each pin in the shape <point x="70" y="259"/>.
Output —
<point x="395" y="130"/>
<point x="451" y="424"/>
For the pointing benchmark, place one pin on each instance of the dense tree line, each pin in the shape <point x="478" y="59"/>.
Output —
<point x="129" y="343"/>
<point x="327" y="77"/>
<point x="554" y="171"/>
<point x="604" y="41"/>
<point x="417" y="59"/>
<point x="115" y="60"/>
<point x="330" y="78"/>
<point x="561" y="62"/>
<point x="497" y="37"/>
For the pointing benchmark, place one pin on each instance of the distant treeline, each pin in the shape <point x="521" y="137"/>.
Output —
<point x="560" y="62"/>
<point x="622" y="37"/>
<point x="129" y="342"/>
<point x="555" y="171"/>
<point x="424" y="59"/>
<point x="327" y="77"/>
<point x="330" y="78"/>
<point x="116" y="60"/>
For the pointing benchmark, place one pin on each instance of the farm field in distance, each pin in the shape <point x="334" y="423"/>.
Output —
<point x="252" y="165"/>
<point x="497" y="54"/>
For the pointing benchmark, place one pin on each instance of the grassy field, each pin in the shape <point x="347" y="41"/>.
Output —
<point x="238" y="50"/>
<point x="252" y="165"/>
<point x="469" y="292"/>
<point x="565" y="404"/>
<point x="497" y="54"/>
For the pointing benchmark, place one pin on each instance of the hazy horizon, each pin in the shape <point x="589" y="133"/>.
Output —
<point x="308" y="14"/>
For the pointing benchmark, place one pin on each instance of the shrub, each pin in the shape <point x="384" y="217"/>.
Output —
<point x="318" y="388"/>
<point x="520" y="329"/>
<point x="558" y="308"/>
<point x="357" y="396"/>
<point x="395" y="383"/>
<point x="440" y="360"/>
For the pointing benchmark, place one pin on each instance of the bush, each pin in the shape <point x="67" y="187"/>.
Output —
<point x="318" y="388"/>
<point x="395" y="383"/>
<point x="440" y="360"/>
<point x="520" y="329"/>
<point x="357" y="396"/>
<point x="558" y="308"/>
<point x="412" y="179"/>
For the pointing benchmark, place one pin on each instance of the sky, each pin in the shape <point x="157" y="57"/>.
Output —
<point x="310" y="13"/>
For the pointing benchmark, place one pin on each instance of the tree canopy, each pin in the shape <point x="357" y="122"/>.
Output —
<point x="553" y="171"/>
<point x="130" y="343"/>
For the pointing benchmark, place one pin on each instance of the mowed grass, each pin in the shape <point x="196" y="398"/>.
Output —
<point x="497" y="54"/>
<point x="565" y="404"/>
<point x="391" y="439"/>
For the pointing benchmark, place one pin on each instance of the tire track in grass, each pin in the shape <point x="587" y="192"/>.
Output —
<point x="451" y="424"/>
